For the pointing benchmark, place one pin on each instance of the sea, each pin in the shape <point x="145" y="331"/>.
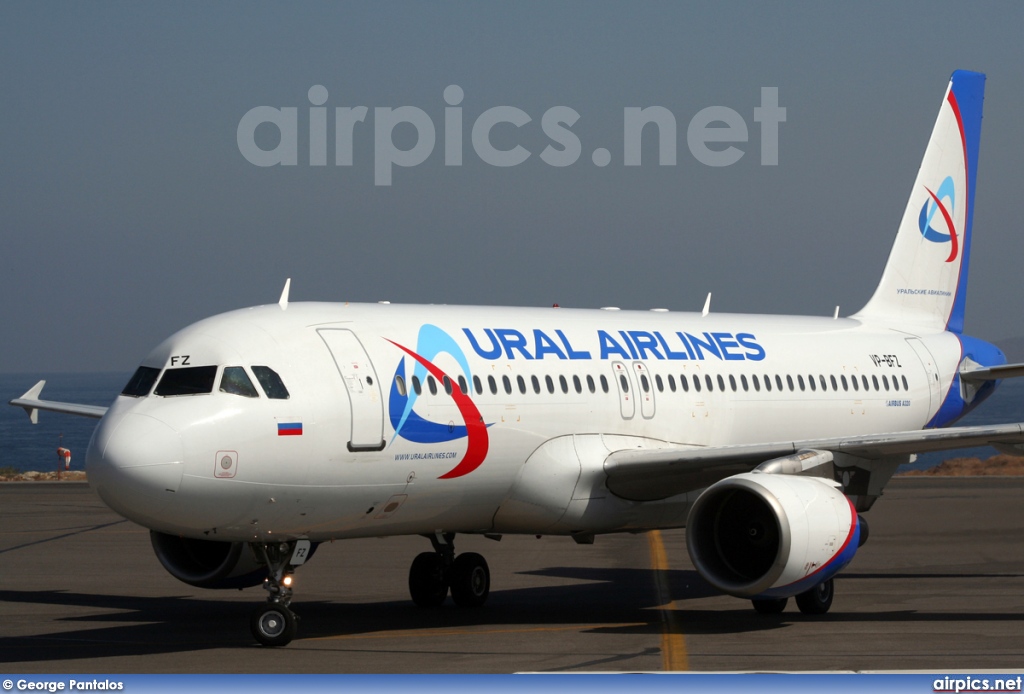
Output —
<point x="24" y="446"/>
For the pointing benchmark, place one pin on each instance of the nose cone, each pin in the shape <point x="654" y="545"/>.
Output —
<point x="135" y="462"/>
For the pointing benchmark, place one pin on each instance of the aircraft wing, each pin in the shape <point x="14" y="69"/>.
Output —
<point x="31" y="403"/>
<point x="648" y="474"/>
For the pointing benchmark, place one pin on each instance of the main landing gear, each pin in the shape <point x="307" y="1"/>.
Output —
<point x="433" y="573"/>
<point x="817" y="600"/>
<point x="273" y="623"/>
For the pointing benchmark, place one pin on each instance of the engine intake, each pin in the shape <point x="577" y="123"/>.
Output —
<point x="768" y="535"/>
<point x="208" y="563"/>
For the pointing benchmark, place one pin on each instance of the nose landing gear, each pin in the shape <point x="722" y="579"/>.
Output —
<point x="273" y="623"/>
<point x="433" y="573"/>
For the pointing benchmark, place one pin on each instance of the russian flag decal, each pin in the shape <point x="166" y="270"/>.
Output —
<point x="289" y="428"/>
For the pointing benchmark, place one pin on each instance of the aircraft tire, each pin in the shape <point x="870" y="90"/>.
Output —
<point x="818" y="599"/>
<point x="770" y="605"/>
<point x="273" y="625"/>
<point x="470" y="580"/>
<point x="428" y="584"/>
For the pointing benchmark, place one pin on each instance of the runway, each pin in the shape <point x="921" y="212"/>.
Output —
<point x="938" y="586"/>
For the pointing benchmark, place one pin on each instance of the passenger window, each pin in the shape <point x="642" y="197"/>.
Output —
<point x="535" y="382"/>
<point x="743" y="382"/>
<point x="895" y="383"/>
<point x="521" y="382"/>
<point x="644" y="383"/>
<point x="696" y="383"/>
<point x="141" y="382"/>
<point x="708" y="382"/>
<point x="768" y="383"/>
<point x="832" y="379"/>
<point x="885" y="381"/>
<point x="400" y="385"/>
<point x="432" y="385"/>
<point x="604" y="383"/>
<point x="416" y="386"/>
<point x="855" y="383"/>
<point x="824" y="384"/>
<point x="576" y="384"/>
<point x="624" y="383"/>
<point x="721" y="383"/>
<point x="672" y="383"/>
<point x="659" y="383"/>
<point x="685" y="384"/>
<point x="492" y="385"/>
<point x="590" y="384"/>
<point x="562" y="382"/>
<point x="865" y="378"/>
<point x="789" y="381"/>
<point x="508" y="385"/>
<point x="462" y="385"/>
<point x="477" y="386"/>
<point x="874" y="381"/>
<point x="550" y="384"/>
<point x="757" y="383"/>
<point x="778" y="381"/>
<point x="800" y="381"/>
<point x="272" y="384"/>
<point x="195" y="380"/>
<point x="844" y="383"/>
<point x="236" y="382"/>
<point x="905" y="386"/>
<point x="811" y="383"/>
<point x="447" y="385"/>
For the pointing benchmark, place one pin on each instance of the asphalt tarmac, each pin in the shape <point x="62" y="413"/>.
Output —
<point x="938" y="586"/>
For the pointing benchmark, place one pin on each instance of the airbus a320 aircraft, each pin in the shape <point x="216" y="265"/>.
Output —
<point x="248" y="438"/>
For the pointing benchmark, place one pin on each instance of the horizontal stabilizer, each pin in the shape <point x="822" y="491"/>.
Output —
<point x="993" y="373"/>
<point x="31" y="404"/>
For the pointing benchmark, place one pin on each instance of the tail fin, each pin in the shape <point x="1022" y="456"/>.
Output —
<point x="925" y="279"/>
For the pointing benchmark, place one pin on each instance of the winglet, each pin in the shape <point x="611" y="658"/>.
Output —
<point x="707" y="306"/>
<point x="33" y="393"/>
<point x="283" y="301"/>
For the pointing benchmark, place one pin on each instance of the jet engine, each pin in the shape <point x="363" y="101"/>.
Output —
<point x="771" y="536"/>
<point x="208" y="563"/>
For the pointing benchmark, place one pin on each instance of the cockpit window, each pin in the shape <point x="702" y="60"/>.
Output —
<point x="272" y="384"/>
<point x="141" y="382"/>
<point x="236" y="382"/>
<point x="194" y="380"/>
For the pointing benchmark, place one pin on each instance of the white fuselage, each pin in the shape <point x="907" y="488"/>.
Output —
<point x="222" y="466"/>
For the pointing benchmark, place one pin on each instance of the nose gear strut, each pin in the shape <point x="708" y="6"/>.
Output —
<point x="273" y="623"/>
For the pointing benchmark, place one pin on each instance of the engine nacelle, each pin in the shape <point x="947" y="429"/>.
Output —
<point x="208" y="563"/>
<point x="771" y="536"/>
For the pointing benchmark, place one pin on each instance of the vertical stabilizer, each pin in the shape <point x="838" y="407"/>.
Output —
<point x="925" y="279"/>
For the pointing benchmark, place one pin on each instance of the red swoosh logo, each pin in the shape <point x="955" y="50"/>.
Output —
<point x="476" y="430"/>
<point x="949" y="223"/>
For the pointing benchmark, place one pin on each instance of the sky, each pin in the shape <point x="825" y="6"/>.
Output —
<point x="129" y="209"/>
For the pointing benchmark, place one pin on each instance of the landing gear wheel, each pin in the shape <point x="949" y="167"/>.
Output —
<point x="770" y="605"/>
<point x="428" y="584"/>
<point x="817" y="600"/>
<point x="470" y="580"/>
<point x="273" y="624"/>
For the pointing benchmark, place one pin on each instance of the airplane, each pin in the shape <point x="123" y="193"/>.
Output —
<point x="245" y="440"/>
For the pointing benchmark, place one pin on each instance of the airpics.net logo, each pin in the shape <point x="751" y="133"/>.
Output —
<point x="714" y="135"/>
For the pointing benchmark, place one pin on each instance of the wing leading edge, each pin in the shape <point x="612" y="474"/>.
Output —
<point x="650" y="474"/>
<point x="31" y="403"/>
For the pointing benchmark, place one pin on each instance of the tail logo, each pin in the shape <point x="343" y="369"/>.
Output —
<point x="936" y="203"/>
<point x="432" y="342"/>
